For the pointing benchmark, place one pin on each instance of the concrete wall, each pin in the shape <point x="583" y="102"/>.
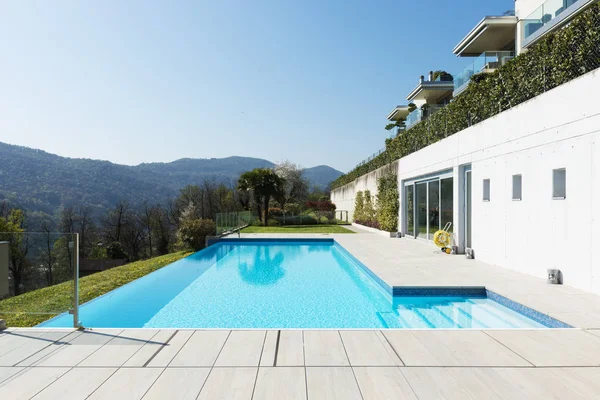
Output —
<point x="344" y="197"/>
<point x="559" y="129"/>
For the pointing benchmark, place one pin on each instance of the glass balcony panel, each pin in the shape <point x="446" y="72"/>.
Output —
<point x="545" y="13"/>
<point x="489" y="60"/>
<point x="414" y="118"/>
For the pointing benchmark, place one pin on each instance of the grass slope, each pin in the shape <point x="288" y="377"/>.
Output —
<point x="31" y="308"/>
<point x="297" y="229"/>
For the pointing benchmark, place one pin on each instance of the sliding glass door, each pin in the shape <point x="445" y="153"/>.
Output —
<point x="410" y="210"/>
<point x="421" y="203"/>
<point x="433" y="208"/>
<point x="428" y="207"/>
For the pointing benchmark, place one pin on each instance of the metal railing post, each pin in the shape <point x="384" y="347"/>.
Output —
<point x="76" y="280"/>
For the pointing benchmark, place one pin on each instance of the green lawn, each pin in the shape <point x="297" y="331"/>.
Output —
<point x="51" y="301"/>
<point x="297" y="229"/>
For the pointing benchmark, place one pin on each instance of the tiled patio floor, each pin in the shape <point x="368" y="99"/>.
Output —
<point x="290" y="364"/>
<point x="328" y="364"/>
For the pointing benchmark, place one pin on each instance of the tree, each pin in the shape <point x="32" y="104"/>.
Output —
<point x="294" y="186"/>
<point x="193" y="232"/>
<point x="11" y="230"/>
<point x="444" y="76"/>
<point x="48" y="255"/>
<point x="264" y="184"/>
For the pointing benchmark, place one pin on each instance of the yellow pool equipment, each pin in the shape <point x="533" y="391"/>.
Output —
<point x="442" y="238"/>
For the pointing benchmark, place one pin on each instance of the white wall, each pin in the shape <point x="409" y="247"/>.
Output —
<point x="557" y="129"/>
<point x="344" y="196"/>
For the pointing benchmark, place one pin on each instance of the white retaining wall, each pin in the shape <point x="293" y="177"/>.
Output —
<point x="344" y="196"/>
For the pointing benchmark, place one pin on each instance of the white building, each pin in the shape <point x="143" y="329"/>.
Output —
<point x="521" y="189"/>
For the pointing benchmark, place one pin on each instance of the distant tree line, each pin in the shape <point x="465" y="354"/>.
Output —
<point x="41" y="255"/>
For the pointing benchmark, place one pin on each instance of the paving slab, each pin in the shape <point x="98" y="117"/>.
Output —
<point x="267" y="359"/>
<point x="383" y="383"/>
<point x="274" y="383"/>
<point x="291" y="349"/>
<point x="552" y="347"/>
<point x="78" y="383"/>
<point x="120" y="349"/>
<point x="201" y="350"/>
<point x="229" y="384"/>
<point x="28" y="345"/>
<point x="451" y="348"/>
<point x="332" y="383"/>
<point x="148" y="350"/>
<point x="7" y="372"/>
<point x="242" y="349"/>
<point x="29" y="382"/>
<point x="165" y="354"/>
<point x="127" y="383"/>
<point x="79" y="348"/>
<point x="178" y="383"/>
<point x="324" y="348"/>
<point x="368" y="348"/>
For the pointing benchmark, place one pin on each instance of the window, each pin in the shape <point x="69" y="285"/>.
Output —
<point x="516" y="187"/>
<point x="559" y="184"/>
<point x="486" y="190"/>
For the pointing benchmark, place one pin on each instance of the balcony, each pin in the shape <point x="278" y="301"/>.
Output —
<point x="549" y="15"/>
<point x="486" y="62"/>
<point x="419" y="114"/>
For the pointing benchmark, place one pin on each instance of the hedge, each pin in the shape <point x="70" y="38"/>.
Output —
<point x="556" y="59"/>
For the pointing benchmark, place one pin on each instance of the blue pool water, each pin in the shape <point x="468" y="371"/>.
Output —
<point x="280" y="284"/>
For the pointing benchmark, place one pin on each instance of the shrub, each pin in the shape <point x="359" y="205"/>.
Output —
<point x="192" y="233"/>
<point x="292" y="208"/>
<point x="297" y="220"/>
<point x="388" y="202"/>
<point x="556" y="59"/>
<point x="273" y="222"/>
<point x="359" y="206"/>
<point x="369" y="208"/>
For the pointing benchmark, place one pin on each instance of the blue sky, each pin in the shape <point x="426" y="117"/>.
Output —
<point x="142" y="81"/>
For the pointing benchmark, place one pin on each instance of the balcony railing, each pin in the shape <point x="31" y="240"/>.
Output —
<point x="490" y="60"/>
<point x="548" y="12"/>
<point x="419" y="114"/>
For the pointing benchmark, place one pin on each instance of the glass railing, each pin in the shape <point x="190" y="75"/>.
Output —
<point x="545" y="13"/>
<point x="421" y="114"/>
<point x="490" y="60"/>
<point x="413" y="118"/>
<point x="43" y="267"/>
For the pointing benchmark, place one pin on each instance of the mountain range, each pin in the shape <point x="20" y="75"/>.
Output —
<point x="39" y="181"/>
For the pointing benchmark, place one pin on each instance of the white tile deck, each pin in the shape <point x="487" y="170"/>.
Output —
<point x="328" y="364"/>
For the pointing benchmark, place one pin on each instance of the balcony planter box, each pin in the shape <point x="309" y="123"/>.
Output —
<point x="377" y="231"/>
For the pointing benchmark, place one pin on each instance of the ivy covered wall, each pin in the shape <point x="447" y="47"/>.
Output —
<point x="556" y="59"/>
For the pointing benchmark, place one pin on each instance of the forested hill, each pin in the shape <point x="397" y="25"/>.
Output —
<point x="40" y="181"/>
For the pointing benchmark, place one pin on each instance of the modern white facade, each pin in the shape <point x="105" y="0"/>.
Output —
<point x="500" y="183"/>
<point x="517" y="213"/>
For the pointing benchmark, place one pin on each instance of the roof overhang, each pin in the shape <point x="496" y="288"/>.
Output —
<point x="431" y="92"/>
<point x="490" y="34"/>
<point x="398" y="113"/>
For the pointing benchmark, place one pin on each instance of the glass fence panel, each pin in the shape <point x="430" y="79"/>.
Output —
<point x="37" y="272"/>
<point x="545" y="13"/>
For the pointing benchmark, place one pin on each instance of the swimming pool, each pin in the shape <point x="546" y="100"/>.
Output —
<point x="281" y="284"/>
